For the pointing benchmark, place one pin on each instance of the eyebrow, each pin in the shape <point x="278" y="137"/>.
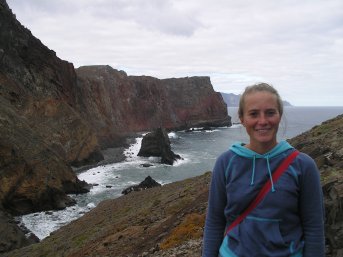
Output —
<point x="258" y="110"/>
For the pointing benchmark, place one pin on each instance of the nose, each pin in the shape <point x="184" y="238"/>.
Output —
<point x="262" y="119"/>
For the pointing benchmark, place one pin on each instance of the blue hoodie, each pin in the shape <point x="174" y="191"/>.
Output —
<point x="289" y="221"/>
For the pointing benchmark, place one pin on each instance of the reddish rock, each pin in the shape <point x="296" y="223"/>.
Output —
<point x="52" y="117"/>
<point x="40" y="132"/>
<point x="116" y="104"/>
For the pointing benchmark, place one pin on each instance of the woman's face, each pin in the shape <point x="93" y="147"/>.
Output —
<point x="261" y="119"/>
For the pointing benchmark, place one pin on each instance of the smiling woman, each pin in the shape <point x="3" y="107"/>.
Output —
<point x="290" y="219"/>
<point x="260" y="111"/>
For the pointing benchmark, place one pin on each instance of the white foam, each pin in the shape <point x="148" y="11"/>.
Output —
<point x="106" y="180"/>
<point x="236" y="125"/>
<point x="154" y="159"/>
<point x="184" y="159"/>
<point x="42" y="224"/>
<point x="133" y="150"/>
<point x="211" y="131"/>
<point x="96" y="174"/>
<point x="173" y="135"/>
<point x="91" y="205"/>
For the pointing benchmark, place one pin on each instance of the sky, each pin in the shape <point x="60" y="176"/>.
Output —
<point x="296" y="46"/>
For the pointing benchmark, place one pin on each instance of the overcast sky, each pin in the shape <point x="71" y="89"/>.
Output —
<point x="297" y="46"/>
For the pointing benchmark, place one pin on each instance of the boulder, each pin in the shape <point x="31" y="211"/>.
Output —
<point x="157" y="144"/>
<point x="11" y="237"/>
<point x="148" y="182"/>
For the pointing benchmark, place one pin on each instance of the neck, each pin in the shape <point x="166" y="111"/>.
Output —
<point x="261" y="148"/>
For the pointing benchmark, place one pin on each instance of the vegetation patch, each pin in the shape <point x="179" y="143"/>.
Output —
<point x="331" y="175"/>
<point x="190" y="228"/>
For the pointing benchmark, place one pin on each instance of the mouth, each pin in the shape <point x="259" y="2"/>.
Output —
<point x="263" y="130"/>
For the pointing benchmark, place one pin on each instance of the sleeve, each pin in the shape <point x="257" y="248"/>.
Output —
<point x="312" y="209"/>
<point x="215" y="219"/>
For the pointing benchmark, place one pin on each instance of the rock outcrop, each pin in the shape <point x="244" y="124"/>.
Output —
<point x="324" y="143"/>
<point x="40" y="132"/>
<point x="116" y="104"/>
<point x="53" y="117"/>
<point x="11" y="237"/>
<point x="157" y="144"/>
<point x="148" y="182"/>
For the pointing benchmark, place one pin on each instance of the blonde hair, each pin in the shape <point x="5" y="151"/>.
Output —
<point x="261" y="87"/>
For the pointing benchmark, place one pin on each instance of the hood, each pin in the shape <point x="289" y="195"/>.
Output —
<point x="242" y="151"/>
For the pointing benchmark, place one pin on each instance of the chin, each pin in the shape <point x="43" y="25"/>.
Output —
<point x="266" y="140"/>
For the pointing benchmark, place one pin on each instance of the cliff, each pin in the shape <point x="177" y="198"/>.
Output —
<point x="116" y="104"/>
<point x="40" y="133"/>
<point x="169" y="220"/>
<point x="53" y="117"/>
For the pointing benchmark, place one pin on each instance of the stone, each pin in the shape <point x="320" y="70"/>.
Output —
<point x="146" y="165"/>
<point x="157" y="144"/>
<point x="148" y="182"/>
<point x="11" y="236"/>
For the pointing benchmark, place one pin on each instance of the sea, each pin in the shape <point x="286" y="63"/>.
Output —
<point x="198" y="149"/>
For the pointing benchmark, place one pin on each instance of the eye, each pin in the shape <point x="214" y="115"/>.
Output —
<point x="271" y="113"/>
<point x="253" y="114"/>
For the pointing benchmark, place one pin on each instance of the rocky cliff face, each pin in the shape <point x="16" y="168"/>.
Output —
<point x="40" y="133"/>
<point x="52" y="117"/>
<point x="116" y="104"/>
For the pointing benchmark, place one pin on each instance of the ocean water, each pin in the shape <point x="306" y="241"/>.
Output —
<point x="198" y="149"/>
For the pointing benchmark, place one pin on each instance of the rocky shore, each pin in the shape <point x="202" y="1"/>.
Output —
<point x="169" y="220"/>
<point x="137" y="224"/>
<point x="56" y="119"/>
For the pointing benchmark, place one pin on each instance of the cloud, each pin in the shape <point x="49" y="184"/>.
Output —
<point x="295" y="45"/>
<point x="162" y="16"/>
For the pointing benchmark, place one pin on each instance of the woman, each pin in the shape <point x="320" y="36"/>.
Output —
<point x="289" y="221"/>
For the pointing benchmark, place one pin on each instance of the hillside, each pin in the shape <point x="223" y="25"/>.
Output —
<point x="132" y="224"/>
<point x="55" y="117"/>
<point x="168" y="221"/>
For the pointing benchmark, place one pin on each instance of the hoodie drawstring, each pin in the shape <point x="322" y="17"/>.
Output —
<point x="270" y="174"/>
<point x="253" y="171"/>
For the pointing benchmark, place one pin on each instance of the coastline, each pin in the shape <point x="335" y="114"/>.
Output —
<point x="121" y="168"/>
<point x="116" y="223"/>
<point x="111" y="155"/>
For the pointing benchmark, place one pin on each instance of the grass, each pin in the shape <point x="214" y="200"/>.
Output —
<point x="190" y="228"/>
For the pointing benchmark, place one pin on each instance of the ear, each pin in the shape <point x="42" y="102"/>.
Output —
<point x="242" y="121"/>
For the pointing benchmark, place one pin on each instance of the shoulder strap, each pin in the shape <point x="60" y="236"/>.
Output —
<point x="265" y="189"/>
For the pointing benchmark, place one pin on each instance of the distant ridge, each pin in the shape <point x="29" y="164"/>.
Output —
<point x="232" y="100"/>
